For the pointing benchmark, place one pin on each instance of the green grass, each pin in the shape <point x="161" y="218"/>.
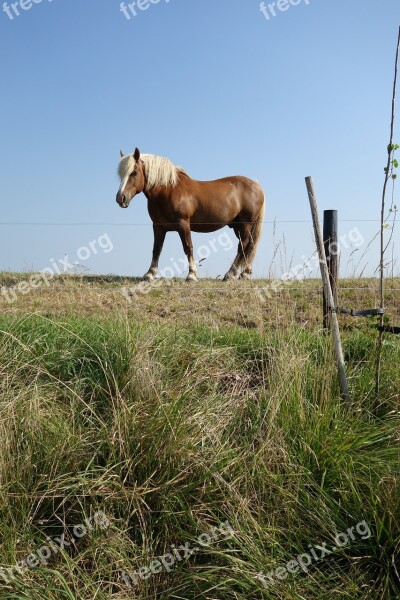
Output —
<point x="171" y="428"/>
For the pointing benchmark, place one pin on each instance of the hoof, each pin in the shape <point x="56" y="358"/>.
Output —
<point x="191" y="277"/>
<point x="245" y="275"/>
<point x="148" y="277"/>
<point x="228" y="276"/>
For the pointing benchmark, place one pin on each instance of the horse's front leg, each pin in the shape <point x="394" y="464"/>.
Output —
<point x="186" y="239"/>
<point x="159" y="237"/>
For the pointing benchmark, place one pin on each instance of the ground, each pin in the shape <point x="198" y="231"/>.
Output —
<point x="204" y="423"/>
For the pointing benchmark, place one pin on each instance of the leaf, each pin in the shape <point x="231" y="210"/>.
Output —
<point x="395" y="163"/>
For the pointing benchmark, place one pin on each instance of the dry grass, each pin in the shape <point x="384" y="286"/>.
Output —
<point x="209" y="302"/>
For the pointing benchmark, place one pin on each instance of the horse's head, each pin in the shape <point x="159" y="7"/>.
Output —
<point x="130" y="171"/>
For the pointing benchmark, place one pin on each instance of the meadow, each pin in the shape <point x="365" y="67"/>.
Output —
<point x="183" y="409"/>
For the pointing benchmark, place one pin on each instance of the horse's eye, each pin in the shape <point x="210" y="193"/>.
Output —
<point x="134" y="174"/>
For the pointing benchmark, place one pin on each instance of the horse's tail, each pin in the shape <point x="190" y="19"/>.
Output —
<point x="256" y="232"/>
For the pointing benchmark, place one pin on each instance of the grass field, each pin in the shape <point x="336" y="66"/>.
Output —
<point x="183" y="408"/>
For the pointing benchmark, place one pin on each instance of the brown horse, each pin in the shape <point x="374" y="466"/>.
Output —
<point x="176" y="202"/>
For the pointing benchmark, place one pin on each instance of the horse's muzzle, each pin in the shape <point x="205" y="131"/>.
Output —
<point x="121" y="200"/>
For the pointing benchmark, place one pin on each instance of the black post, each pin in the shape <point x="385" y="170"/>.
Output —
<point x="330" y="235"/>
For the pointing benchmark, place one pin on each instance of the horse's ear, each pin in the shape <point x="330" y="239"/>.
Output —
<point x="122" y="154"/>
<point x="136" y="154"/>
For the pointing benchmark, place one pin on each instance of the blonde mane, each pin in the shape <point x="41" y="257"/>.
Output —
<point x="159" y="171"/>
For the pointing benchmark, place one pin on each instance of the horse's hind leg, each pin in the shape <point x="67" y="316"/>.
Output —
<point x="159" y="237"/>
<point x="243" y="232"/>
<point x="246" y="261"/>
<point x="233" y="271"/>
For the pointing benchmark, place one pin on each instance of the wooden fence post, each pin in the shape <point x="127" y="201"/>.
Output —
<point x="327" y="288"/>
<point x="331" y="252"/>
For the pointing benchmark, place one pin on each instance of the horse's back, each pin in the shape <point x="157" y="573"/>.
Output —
<point x="243" y="186"/>
<point x="212" y="204"/>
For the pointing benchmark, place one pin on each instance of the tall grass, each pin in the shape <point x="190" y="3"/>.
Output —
<point x="171" y="430"/>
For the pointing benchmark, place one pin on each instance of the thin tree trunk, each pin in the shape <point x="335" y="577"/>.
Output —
<point x="382" y="232"/>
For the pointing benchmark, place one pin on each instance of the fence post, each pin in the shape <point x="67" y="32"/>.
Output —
<point x="331" y="252"/>
<point x="325" y="277"/>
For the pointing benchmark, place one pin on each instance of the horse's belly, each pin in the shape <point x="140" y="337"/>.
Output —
<point x="205" y="228"/>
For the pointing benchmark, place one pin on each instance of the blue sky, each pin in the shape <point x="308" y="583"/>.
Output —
<point x="211" y="84"/>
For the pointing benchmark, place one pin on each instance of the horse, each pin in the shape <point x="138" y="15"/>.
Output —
<point x="176" y="202"/>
